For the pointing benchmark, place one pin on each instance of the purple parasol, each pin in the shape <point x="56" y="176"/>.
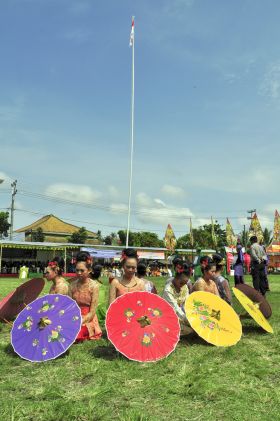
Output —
<point x="46" y="328"/>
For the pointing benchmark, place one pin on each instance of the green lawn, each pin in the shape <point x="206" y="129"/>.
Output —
<point x="197" y="382"/>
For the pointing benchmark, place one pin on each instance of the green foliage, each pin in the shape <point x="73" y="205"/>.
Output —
<point x="108" y="240"/>
<point x="141" y="239"/>
<point x="38" y="235"/>
<point x="202" y="237"/>
<point x="267" y="236"/>
<point x="99" y="236"/>
<point x="4" y="224"/>
<point x="79" y="237"/>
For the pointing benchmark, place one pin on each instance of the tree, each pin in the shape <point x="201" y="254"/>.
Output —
<point x="99" y="236"/>
<point x="244" y="236"/>
<point x="267" y="237"/>
<point x="141" y="239"/>
<point x="202" y="237"/>
<point x="38" y="235"/>
<point x="4" y="224"/>
<point x="79" y="237"/>
<point x="108" y="240"/>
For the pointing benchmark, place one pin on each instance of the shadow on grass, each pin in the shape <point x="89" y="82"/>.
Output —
<point x="108" y="352"/>
<point x="193" y="339"/>
<point x="253" y="329"/>
<point x="9" y="350"/>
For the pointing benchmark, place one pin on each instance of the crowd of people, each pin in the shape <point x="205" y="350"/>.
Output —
<point x="91" y="294"/>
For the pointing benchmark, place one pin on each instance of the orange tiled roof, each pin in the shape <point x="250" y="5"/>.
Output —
<point x="52" y="224"/>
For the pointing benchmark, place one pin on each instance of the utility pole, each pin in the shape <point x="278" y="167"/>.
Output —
<point x="14" y="192"/>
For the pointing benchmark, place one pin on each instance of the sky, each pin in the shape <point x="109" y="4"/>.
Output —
<point x="207" y="104"/>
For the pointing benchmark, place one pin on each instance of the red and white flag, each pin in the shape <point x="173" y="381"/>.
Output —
<point x="131" y="41"/>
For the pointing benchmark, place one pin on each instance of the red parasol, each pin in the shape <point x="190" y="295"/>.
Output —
<point x="16" y="300"/>
<point x="142" y="326"/>
<point x="256" y="297"/>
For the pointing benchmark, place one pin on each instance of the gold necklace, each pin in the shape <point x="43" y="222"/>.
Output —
<point x="128" y="287"/>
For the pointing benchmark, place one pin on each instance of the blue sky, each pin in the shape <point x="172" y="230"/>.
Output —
<point x="207" y="103"/>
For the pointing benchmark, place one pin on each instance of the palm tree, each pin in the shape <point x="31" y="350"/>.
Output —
<point x="267" y="237"/>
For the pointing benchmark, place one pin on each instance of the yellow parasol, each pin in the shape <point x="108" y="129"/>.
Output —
<point x="252" y="309"/>
<point x="213" y="319"/>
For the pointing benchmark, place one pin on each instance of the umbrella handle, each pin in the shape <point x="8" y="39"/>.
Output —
<point x="6" y="321"/>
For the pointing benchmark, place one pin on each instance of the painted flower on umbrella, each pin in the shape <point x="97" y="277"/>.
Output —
<point x="156" y="312"/>
<point x="129" y="313"/>
<point x="206" y="315"/>
<point x="35" y="342"/>
<point x="147" y="339"/>
<point x="27" y="325"/>
<point x="61" y="312"/>
<point x="56" y="336"/>
<point x="45" y="307"/>
<point x="44" y="351"/>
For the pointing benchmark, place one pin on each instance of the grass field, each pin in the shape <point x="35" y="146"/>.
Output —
<point x="197" y="382"/>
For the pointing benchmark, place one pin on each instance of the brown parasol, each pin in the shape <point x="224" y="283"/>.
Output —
<point x="16" y="300"/>
<point x="256" y="297"/>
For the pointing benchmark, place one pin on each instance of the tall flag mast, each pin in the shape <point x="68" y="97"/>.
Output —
<point x="131" y="44"/>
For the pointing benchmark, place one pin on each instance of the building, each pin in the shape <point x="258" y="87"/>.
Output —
<point x="55" y="230"/>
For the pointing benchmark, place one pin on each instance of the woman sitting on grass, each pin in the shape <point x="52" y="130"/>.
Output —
<point x="53" y="273"/>
<point x="207" y="283"/>
<point x="141" y="274"/>
<point x="85" y="291"/>
<point x="129" y="282"/>
<point x="176" y="292"/>
<point x="178" y="264"/>
<point x="103" y="300"/>
<point x="221" y="282"/>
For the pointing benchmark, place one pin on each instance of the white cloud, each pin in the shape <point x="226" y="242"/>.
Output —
<point x="270" y="86"/>
<point x="272" y="207"/>
<point x="6" y="180"/>
<point x="172" y="191"/>
<point x="164" y="216"/>
<point x="74" y="192"/>
<point x="142" y="199"/>
<point x="160" y="203"/>
<point x="117" y="208"/>
<point x="113" y="192"/>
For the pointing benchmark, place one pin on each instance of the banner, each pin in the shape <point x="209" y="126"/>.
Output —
<point x="170" y="239"/>
<point x="213" y="234"/>
<point x="231" y="238"/>
<point x="191" y="234"/>
<point x="151" y="255"/>
<point x="255" y="228"/>
<point x="276" y="229"/>
<point x="102" y="254"/>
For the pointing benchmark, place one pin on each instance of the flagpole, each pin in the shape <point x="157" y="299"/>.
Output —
<point x="132" y="141"/>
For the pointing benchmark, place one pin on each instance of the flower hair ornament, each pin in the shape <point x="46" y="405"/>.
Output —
<point x="124" y="256"/>
<point x="179" y="269"/>
<point x="89" y="261"/>
<point x="53" y="264"/>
